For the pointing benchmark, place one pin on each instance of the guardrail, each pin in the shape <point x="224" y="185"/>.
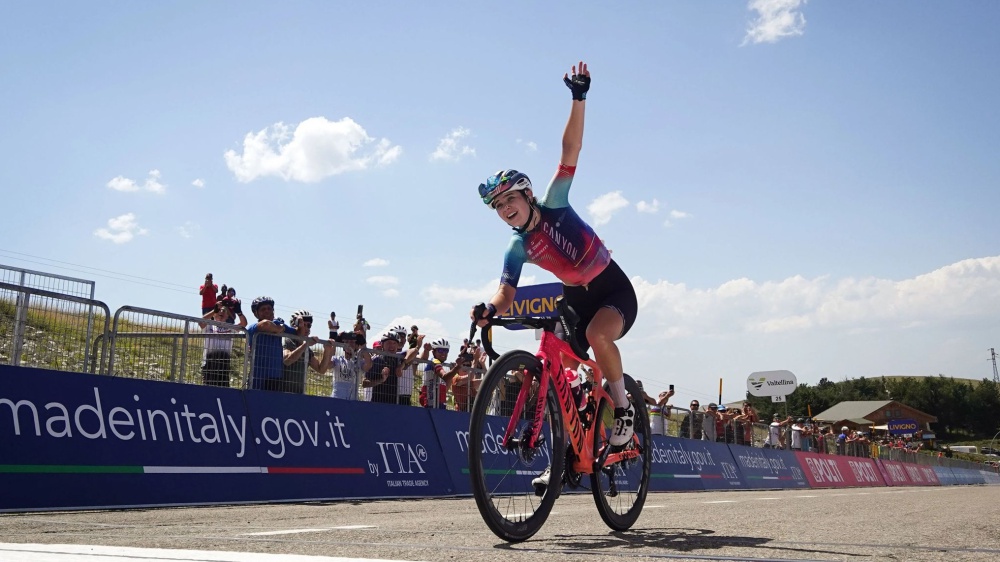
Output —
<point x="41" y="328"/>
<point x="156" y="345"/>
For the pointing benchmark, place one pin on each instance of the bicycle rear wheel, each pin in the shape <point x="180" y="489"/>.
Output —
<point x="620" y="489"/>
<point x="502" y="476"/>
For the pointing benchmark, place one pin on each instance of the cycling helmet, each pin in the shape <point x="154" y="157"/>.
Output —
<point x="440" y="344"/>
<point x="260" y="301"/>
<point x="390" y="335"/>
<point x="502" y="182"/>
<point x="299" y="315"/>
<point x="399" y="331"/>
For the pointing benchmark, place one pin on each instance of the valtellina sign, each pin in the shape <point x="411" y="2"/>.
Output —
<point x="771" y="383"/>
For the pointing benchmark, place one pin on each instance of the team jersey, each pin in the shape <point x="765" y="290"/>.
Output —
<point x="562" y="243"/>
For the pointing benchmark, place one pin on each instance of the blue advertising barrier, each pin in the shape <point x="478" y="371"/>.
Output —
<point x="945" y="476"/>
<point x="74" y="440"/>
<point x="80" y="441"/>
<point x="313" y="447"/>
<point x="689" y="465"/>
<point x="452" y="430"/>
<point x="71" y="440"/>
<point x="768" y="468"/>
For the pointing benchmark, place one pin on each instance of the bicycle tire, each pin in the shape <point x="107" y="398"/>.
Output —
<point x="501" y="479"/>
<point x="621" y="504"/>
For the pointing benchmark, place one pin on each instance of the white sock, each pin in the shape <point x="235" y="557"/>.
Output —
<point x="618" y="393"/>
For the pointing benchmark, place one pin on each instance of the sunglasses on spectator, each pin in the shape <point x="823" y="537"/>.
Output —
<point x="308" y="319"/>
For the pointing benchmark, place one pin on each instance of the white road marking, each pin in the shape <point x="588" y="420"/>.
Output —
<point x="284" y="532"/>
<point x="353" y="527"/>
<point x="91" y="553"/>
<point x="806" y="496"/>
<point x="767" y="498"/>
<point x="722" y="501"/>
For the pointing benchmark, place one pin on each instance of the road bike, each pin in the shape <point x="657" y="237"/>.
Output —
<point x="525" y="420"/>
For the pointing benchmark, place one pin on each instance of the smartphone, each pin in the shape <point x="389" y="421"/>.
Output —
<point x="671" y="388"/>
<point x="361" y="309"/>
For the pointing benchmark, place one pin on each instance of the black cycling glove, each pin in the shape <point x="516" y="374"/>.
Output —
<point x="578" y="84"/>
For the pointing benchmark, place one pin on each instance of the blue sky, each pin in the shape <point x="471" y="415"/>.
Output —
<point x="791" y="185"/>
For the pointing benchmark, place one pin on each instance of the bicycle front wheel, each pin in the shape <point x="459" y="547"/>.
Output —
<point x="620" y="488"/>
<point x="513" y="507"/>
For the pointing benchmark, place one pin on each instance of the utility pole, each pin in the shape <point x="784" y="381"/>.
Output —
<point x="993" y="357"/>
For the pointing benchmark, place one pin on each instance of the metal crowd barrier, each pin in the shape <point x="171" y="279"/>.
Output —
<point x="45" y="329"/>
<point x="156" y="345"/>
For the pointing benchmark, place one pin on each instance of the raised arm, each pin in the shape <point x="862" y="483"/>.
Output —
<point x="572" y="142"/>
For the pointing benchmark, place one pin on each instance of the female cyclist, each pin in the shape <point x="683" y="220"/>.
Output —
<point x="549" y="233"/>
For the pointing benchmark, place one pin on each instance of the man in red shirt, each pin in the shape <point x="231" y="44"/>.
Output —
<point x="208" y="294"/>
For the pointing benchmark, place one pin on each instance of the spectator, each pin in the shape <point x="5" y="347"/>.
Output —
<point x="745" y="423"/>
<point x="298" y="355"/>
<point x="387" y="367"/>
<point x="208" y="294"/>
<point x="217" y="360"/>
<point x="465" y="384"/>
<point x="265" y="347"/>
<point x="415" y="338"/>
<point x="659" y="411"/>
<point x="775" y="439"/>
<point x="348" y="371"/>
<point x="334" y="326"/>
<point x="223" y="292"/>
<point x="809" y="436"/>
<point x="234" y="304"/>
<point x="797" y="434"/>
<point x="436" y="378"/>
<point x="405" y="383"/>
<point x="711" y="423"/>
<point x="691" y="425"/>
<point x="361" y="326"/>
<point x="843" y="439"/>
<point x="725" y="429"/>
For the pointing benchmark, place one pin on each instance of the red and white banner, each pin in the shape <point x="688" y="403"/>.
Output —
<point x="831" y="471"/>
<point x="906" y="474"/>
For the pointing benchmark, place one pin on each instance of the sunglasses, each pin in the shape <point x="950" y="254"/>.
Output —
<point x="307" y="319"/>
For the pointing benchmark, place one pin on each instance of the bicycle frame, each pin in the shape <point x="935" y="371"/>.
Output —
<point x="550" y="352"/>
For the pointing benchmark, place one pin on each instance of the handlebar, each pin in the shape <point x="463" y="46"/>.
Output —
<point x="567" y="317"/>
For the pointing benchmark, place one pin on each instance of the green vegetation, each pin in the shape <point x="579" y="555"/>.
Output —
<point x="965" y="409"/>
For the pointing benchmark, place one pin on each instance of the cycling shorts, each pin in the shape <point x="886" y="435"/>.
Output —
<point x="610" y="289"/>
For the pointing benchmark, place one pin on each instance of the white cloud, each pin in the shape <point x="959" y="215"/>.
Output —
<point x="382" y="280"/>
<point x="676" y="215"/>
<point x="121" y="183"/>
<point x="440" y="298"/>
<point x="121" y="229"/>
<point x="315" y="150"/>
<point x="188" y="229"/>
<point x="430" y="327"/>
<point x="602" y="208"/>
<point x="650" y="208"/>
<point x="152" y="183"/>
<point x="532" y="146"/>
<point x="452" y="147"/>
<point x="776" y="19"/>
<point x="199" y="183"/>
<point x="376" y="262"/>
<point x="957" y="292"/>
